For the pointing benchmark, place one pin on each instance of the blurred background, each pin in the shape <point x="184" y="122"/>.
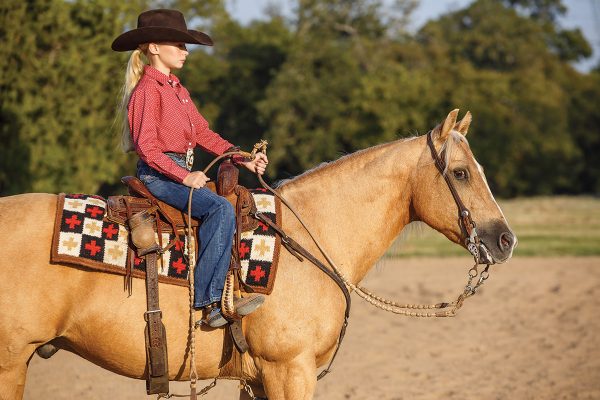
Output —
<point x="322" y="78"/>
<point x="318" y="79"/>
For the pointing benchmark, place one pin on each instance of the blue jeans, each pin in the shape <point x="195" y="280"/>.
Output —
<point x="215" y="234"/>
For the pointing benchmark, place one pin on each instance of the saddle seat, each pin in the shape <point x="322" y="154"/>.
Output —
<point x="121" y="207"/>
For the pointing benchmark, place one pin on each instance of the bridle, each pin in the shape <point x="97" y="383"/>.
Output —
<point x="466" y="223"/>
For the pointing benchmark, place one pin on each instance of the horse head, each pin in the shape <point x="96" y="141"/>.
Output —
<point x="452" y="195"/>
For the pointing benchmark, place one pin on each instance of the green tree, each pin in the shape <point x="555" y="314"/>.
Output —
<point x="499" y="64"/>
<point x="334" y="92"/>
<point x="569" y="44"/>
<point x="338" y="76"/>
<point x="59" y="88"/>
<point x="229" y="82"/>
<point x="584" y="118"/>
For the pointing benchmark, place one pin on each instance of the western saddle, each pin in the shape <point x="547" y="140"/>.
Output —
<point x="145" y="215"/>
<point x="120" y="208"/>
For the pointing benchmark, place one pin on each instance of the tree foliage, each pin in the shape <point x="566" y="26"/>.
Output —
<point x="341" y="88"/>
<point x="336" y="76"/>
<point x="58" y="88"/>
<point x="503" y="71"/>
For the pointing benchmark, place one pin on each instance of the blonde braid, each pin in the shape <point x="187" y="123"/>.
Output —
<point x="133" y="74"/>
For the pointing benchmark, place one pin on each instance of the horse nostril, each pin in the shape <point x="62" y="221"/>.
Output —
<point x="506" y="241"/>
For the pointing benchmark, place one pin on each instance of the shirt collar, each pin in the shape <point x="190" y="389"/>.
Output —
<point x="161" y="78"/>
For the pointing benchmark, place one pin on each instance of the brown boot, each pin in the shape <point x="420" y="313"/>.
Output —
<point x="246" y="305"/>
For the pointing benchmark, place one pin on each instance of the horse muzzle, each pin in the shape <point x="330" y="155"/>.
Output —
<point x="494" y="247"/>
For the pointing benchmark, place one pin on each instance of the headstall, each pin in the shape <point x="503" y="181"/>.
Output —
<point x="466" y="223"/>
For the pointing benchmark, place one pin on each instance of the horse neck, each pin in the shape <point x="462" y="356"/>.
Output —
<point x="357" y="205"/>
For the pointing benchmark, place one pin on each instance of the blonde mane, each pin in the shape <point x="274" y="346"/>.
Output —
<point x="448" y="147"/>
<point x="318" y="169"/>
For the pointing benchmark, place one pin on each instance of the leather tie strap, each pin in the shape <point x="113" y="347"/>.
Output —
<point x="138" y="188"/>
<point x="238" y="336"/>
<point x="129" y="267"/>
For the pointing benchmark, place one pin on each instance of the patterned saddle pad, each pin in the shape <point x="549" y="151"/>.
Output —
<point x="84" y="236"/>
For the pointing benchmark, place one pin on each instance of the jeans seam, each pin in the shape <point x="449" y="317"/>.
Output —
<point x="207" y="302"/>
<point x="213" y="256"/>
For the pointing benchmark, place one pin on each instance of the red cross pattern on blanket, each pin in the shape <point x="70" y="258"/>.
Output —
<point x="259" y="249"/>
<point x="84" y="236"/>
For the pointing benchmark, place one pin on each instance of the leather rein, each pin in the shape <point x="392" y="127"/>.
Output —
<point x="465" y="222"/>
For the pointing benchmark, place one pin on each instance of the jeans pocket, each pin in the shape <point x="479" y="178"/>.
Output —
<point x="148" y="178"/>
<point x="145" y="173"/>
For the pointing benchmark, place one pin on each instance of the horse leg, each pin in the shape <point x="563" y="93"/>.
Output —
<point x="13" y="371"/>
<point x="290" y="380"/>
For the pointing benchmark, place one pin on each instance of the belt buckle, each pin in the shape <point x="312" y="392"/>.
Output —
<point x="189" y="158"/>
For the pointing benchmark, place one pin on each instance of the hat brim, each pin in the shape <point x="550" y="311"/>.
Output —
<point x="132" y="39"/>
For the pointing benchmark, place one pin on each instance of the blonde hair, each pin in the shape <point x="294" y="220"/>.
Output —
<point x="133" y="74"/>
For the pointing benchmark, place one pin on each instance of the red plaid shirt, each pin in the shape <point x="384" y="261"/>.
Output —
<point x="163" y="118"/>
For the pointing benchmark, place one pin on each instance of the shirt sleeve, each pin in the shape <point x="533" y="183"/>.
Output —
<point x="142" y="113"/>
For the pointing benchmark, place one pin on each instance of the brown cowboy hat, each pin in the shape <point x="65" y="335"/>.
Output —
<point x="159" y="26"/>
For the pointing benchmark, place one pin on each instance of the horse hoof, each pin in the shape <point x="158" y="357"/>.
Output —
<point x="46" y="350"/>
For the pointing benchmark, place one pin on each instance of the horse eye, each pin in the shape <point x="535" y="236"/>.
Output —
<point x="460" y="174"/>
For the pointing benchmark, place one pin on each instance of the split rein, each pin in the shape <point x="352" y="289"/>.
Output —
<point x="450" y="309"/>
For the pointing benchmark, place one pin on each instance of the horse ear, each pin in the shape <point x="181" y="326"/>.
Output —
<point x="448" y="124"/>
<point x="463" y="125"/>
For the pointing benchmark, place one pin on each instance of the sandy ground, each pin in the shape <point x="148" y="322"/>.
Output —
<point x="533" y="332"/>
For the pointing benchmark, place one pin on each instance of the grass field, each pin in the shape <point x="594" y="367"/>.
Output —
<point x="545" y="226"/>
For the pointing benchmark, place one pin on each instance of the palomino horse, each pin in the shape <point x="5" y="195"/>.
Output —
<point x="356" y="206"/>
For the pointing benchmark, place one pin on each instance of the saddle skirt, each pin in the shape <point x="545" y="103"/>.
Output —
<point x="92" y="231"/>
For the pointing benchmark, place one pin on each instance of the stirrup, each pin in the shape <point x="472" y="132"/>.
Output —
<point x="249" y="304"/>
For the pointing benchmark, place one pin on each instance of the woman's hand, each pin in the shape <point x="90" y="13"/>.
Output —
<point x="258" y="165"/>
<point x="196" y="180"/>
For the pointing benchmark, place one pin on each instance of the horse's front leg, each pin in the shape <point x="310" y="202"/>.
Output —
<point x="12" y="382"/>
<point x="290" y="380"/>
<point x="13" y="370"/>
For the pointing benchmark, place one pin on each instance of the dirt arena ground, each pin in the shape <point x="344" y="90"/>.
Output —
<point x="533" y="332"/>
